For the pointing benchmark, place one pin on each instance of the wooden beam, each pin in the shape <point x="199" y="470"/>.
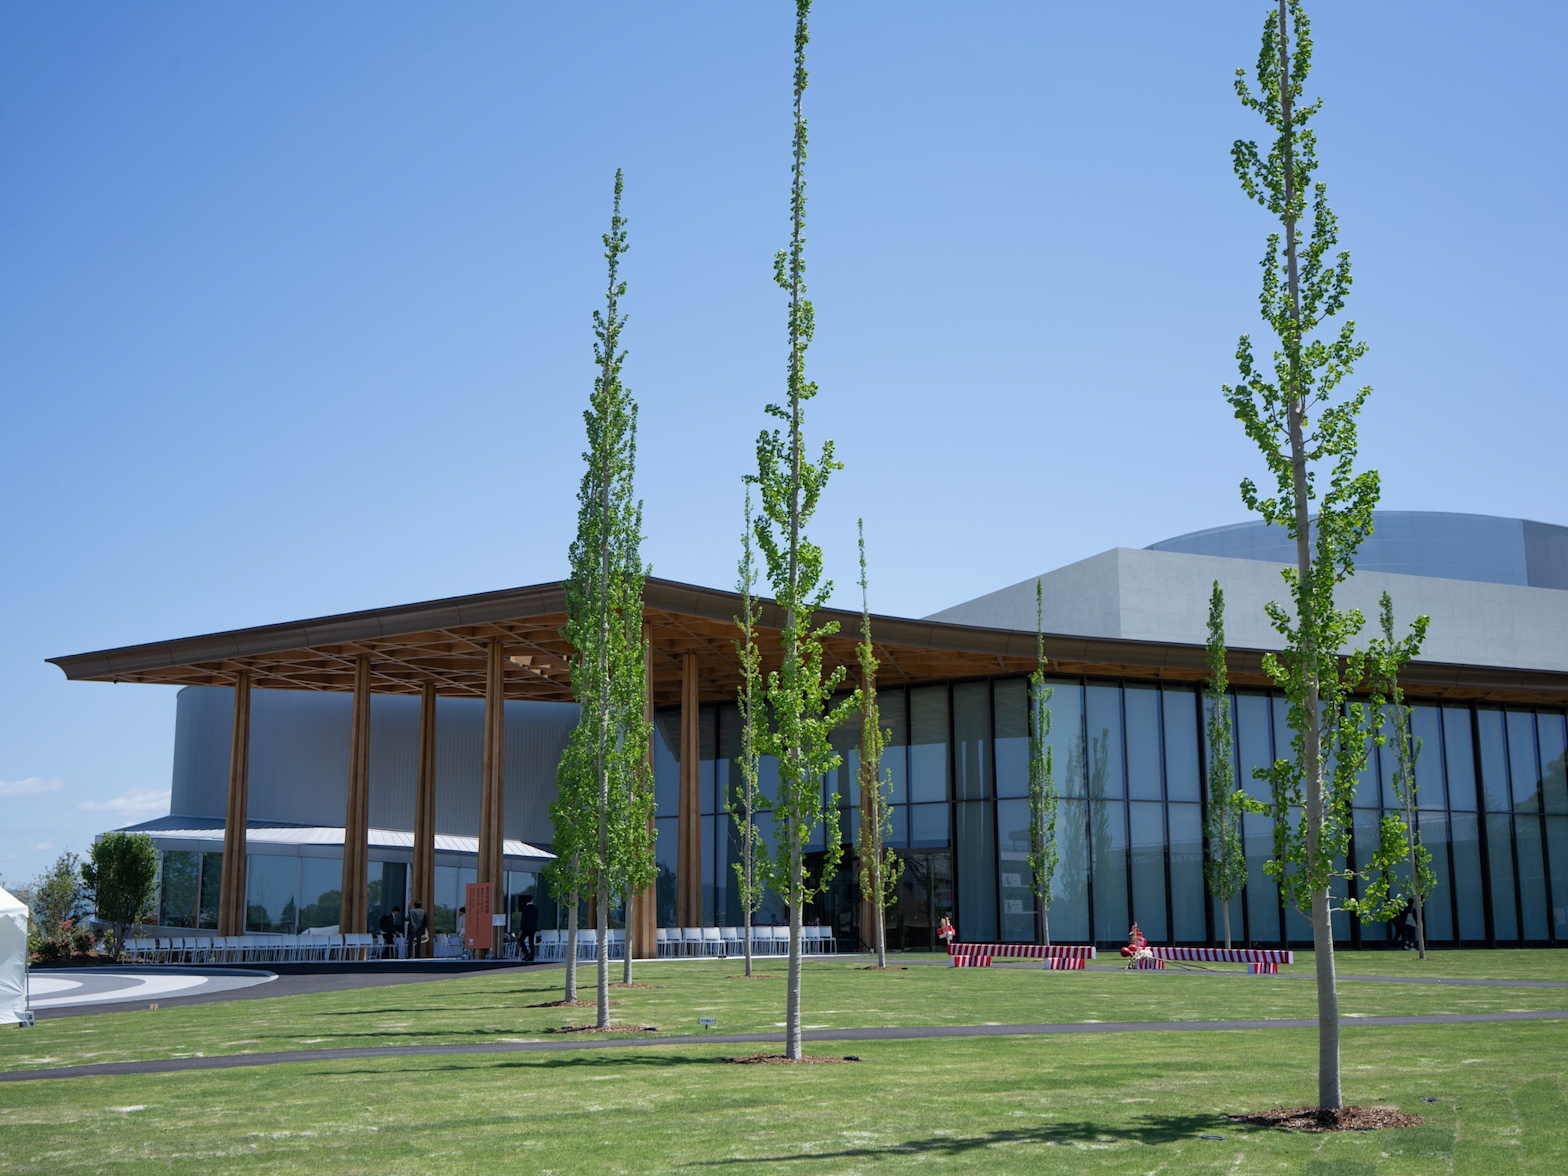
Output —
<point x="354" y="914"/>
<point x="423" y="885"/>
<point x="492" y="815"/>
<point x="688" y="870"/>
<point x="231" y="895"/>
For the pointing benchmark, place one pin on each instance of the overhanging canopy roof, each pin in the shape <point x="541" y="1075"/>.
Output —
<point x="444" y="642"/>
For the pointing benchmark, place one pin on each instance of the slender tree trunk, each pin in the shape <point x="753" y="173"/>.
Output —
<point x="602" y="936"/>
<point x="626" y="924"/>
<point x="571" y="950"/>
<point x="1045" y="919"/>
<point x="1415" y="888"/>
<point x="876" y="874"/>
<point x="1322" y="929"/>
<point x="792" y="1003"/>
<point x="1225" y="909"/>
<point x="748" y="943"/>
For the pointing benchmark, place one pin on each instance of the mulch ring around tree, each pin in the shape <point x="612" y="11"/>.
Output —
<point x="882" y="968"/>
<point x="613" y="1027"/>
<point x="636" y="986"/>
<point x="1344" y="1119"/>
<point x="784" y="1060"/>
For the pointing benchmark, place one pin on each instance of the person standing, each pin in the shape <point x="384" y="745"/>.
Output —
<point x="530" y="927"/>
<point x="418" y="927"/>
<point x="945" y="931"/>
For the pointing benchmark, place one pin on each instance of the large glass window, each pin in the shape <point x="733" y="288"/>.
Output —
<point x="1494" y="761"/>
<point x="1066" y="738"/>
<point x="1252" y="738"/>
<point x="666" y="768"/>
<point x="665" y="855"/>
<point x="1109" y="831"/>
<point x="1366" y="830"/>
<point x="1017" y="889"/>
<point x="1532" y="878"/>
<point x="928" y="744"/>
<point x="895" y="756"/>
<point x="1069" y="911"/>
<point x="1500" y="855"/>
<point x="1459" y="758"/>
<point x="928" y="826"/>
<point x="1144" y="775"/>
<point x="1467" y="874"/>
<point x="976" y="868"/>
<point x="1262" y="894"/>
<point x="180" y="895"/>
<point x="1012" y="737"/>
<point x="1426" y="725"/>
<point x="1148" y="865"/>
<point x="389" y="889"/>
<point x="1557" y="850"/>
<point x="1439" y="905"/>
<point x="1554" y="762"/>
<point x="1182" y="772"/>
<point x="211" y="887"/>
<point x="1187" y="883"/>
<point x="1521" y="762"/>
<point x="972" y="742"/>
<point x="1104" y="705"/>
<point x="321" y="892"/>
<point x="271" y="893"/>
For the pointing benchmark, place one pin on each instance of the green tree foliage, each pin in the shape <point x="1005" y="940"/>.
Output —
<point x="1043" y="851"/>
<point x="1226" y="867"/>
<point x="1400" y="833"/>
<point x="56" y="901"/>
<point x="880" y="866"/>
<point x="605" y="804"/>
<point x="798" y="692"/>
<point x="745" y="801"/>
<point x="118" y="878"/>
<point x="1307" y="437"/>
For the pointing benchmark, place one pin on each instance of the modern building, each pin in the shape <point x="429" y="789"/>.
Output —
<point x="430" y="734"/>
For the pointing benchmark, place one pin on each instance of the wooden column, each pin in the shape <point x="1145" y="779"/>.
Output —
<point x="688" y="870"/>
<point x="423" y="884"/>
<point x="355" y="911"/>
<point x="642" y="922"/>
<point x="491" y="796"/>
<point x="231" y="896"/>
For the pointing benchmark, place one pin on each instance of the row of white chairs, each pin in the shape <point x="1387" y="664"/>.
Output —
<point x="255" y="949"/>
<point x="731" y="941"/>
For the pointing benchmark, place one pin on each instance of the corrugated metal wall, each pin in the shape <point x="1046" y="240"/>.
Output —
<point x="299" y="759"/>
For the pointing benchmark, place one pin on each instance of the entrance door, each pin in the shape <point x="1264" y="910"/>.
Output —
<point x="925" y="894"/>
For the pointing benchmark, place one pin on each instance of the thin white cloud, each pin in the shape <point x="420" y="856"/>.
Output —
<point x="136" y="802"/>
<point x="31" y="786"/>
<point x="42" y="845"/>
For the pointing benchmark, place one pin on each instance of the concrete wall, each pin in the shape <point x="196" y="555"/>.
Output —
<point x="1139" y="594"/>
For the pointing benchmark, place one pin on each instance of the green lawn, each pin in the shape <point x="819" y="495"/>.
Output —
<point x="487" y="1007"/>
<point x="1132" y="1103"/>
<point x="1007" y="1105"/>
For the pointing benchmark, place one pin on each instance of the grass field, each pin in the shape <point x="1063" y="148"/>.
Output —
<point x="1128" y="1103"/>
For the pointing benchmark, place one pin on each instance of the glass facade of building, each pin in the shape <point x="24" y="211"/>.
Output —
<point x="1130" y="767"/>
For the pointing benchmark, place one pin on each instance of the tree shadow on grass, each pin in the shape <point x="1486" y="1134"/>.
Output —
<point x="1150" y="1130"/>
<point x="537" y="1061"/>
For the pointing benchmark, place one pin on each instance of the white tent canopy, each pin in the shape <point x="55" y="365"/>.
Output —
<point x="13" y="959"/>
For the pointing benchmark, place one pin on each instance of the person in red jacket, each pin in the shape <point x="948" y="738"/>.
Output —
<point x="1135" y="943"/>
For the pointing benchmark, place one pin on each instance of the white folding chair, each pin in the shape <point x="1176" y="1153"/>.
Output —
<point x="691" y="941"/>
<point x="712" y="942"/>
<point x="731" y="943"/>
<point x="661" y="941"/>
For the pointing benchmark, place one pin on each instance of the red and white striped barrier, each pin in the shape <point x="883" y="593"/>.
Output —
<point x="1225" y="955"/>
<point x="1027" y="951"/>
<point x="1057" y="957"/>
<point x="1147" y="965"/>
<point x="1263" y="969"/>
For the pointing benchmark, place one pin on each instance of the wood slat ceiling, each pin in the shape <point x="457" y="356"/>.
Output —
<point x="445" y="642"/>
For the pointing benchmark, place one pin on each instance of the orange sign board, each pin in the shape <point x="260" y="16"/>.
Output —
<point x="480" y="901"/>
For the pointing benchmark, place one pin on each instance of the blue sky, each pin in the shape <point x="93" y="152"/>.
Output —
<point x="295" y="308"/>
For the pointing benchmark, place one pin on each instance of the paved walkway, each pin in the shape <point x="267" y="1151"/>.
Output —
<point x="93" y="988"/>
<point x="916" y="1032"/>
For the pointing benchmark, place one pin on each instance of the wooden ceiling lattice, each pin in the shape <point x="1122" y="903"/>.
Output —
<point x="445" y="643"/>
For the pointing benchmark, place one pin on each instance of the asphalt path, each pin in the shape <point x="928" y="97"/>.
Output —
<point x="908" y="1033"/>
